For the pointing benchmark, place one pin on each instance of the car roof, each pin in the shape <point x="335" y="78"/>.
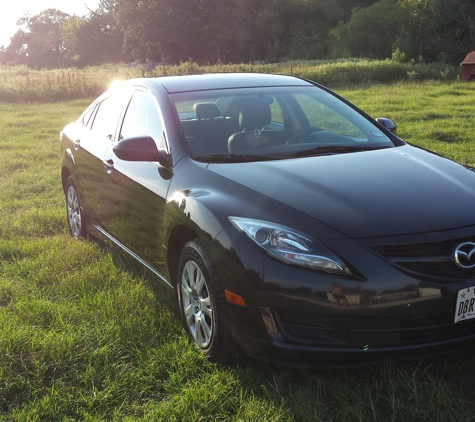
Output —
<point x="174" y="84"/>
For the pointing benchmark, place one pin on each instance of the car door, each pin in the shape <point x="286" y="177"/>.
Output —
<point x="136" y="191"/>
<point x="93" y="142"/>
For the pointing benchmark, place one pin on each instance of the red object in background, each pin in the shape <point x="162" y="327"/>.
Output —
<point x="468" y="67"/>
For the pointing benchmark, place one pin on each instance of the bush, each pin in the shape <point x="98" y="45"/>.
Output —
<point x="398" y="56"/>
<point x="374" y="71"/>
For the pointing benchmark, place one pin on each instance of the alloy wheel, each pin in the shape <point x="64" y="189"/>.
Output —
<point x="196" y="304"/>
<point x="74" y="212"/>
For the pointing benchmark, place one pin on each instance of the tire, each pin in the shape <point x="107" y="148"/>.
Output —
<point x="74" y="214"/>
<point x="202" y="304"/>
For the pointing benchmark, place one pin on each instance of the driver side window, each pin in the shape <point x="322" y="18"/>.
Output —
<point x="142" y="118"/>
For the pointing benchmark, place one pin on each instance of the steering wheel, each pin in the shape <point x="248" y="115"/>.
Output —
<point x="300" y="133"/>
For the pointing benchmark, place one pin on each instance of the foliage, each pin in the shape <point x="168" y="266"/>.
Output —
<point x="398" y="56"/>
<point x="424" y="28"/>
<point x="232" y="31"/>
<point x="40" y="42"/>
<point x="93" y="40"/>
<point x="371" y="31"/>
<point x="87" y="335"/>
<point x="213" y="31"/>
<point x="418" y="36"/>
<point x="21" y="84"/>
<point x="375" y="71"/>
<point x="456" y="23"/>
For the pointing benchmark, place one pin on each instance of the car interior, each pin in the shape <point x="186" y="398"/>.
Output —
<point x="270" y="124"/>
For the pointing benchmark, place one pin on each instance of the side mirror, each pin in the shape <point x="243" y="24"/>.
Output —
<point x="141" y="148"/>
<point x="387" y="123"/>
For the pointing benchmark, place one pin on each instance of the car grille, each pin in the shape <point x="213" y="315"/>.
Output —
<point x="434" y="259"/>
<point x="368" y="331"/>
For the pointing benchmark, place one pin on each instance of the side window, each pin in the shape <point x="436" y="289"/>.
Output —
<point x="276" y="113"/>
<point x="86" y="116"/>
<point x="142" y="118"/>
<point x="108" y="115"/>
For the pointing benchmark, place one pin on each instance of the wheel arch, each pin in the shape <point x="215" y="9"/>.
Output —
<point x="188" y="217"/>
<point x="65" y="173"/>
<point x="179" y="237"/>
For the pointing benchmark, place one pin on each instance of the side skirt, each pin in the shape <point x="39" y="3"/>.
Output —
<point x="133" y="254"/>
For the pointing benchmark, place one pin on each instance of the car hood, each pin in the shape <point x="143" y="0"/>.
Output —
<point x="394" y="191"/>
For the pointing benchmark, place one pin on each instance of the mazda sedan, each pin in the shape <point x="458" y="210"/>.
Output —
<point x="291" y="225"/>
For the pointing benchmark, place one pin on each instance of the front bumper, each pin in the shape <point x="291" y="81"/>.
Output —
<point x="385" y="313"/>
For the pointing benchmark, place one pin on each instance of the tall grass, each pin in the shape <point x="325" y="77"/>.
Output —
<point x="85" y="334"/>
<point x="375" y="71"/>
<point x="20" y="84"/>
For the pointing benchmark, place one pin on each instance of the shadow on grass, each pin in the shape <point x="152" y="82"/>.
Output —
<point x="437" y="388"/>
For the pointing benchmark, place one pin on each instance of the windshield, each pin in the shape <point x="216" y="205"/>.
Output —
<point x="272" y="123"/>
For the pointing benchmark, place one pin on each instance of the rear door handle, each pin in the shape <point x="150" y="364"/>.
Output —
<point x="109" y="166"/>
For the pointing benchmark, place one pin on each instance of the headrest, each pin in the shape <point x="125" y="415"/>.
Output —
<point x="206" y="110"/>
<point x="254" y="115"/>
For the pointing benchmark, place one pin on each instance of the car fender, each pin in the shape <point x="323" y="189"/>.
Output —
<point x="188" y="208"/>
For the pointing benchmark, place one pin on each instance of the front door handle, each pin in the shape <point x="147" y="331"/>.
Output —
<point x="76" y="144"/>
<point x="109" y="165"/>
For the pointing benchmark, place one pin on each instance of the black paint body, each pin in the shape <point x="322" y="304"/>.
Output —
<point x="362" y="206"/>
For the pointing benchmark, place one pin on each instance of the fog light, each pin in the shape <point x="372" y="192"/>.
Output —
<point x="269" y="322"/>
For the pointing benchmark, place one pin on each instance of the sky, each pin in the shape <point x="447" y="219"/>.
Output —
<point x="17" y="9"/>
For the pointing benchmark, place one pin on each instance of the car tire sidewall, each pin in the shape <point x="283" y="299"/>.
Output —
<point x="197" y="252"/>
<point x="82" y="232"/>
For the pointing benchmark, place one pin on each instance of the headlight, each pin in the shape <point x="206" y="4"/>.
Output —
<point x="290" y="246"/>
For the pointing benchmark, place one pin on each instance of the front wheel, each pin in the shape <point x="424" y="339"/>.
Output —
<point x="76" y="222"/>
<point x="202" y="304"/>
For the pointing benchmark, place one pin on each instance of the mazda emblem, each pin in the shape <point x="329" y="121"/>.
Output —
<point x="464" y="255"/>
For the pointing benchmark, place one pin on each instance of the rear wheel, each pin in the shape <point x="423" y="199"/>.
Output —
<point x="76" y="222"/>
<point x="202" y="303"/>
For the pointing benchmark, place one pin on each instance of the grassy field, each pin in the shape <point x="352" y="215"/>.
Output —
<point x="20" y="84"/>
<point x="87" y="335"/>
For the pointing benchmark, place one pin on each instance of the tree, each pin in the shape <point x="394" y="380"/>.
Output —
<point x="39" y="43"/>
<point x="371" y="31"/>
<point x="224" y="34"/>
<point x="107" y="6"/>
<point x="456" y="26"/>
<point x="16" y="53"/>
<point x="141" y="26"/>
<point x="177" y="30"/>
<point x="349" y="5"/>
<point x="92" y="40"/>
<point x="310" y="26"/>
<point x="418" y="35"/>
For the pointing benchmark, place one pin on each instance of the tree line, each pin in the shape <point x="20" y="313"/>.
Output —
<point x="236" y="31"/>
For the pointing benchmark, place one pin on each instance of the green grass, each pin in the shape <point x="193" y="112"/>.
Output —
<point x="434" y="115"/>
<point x="85" y="334"/>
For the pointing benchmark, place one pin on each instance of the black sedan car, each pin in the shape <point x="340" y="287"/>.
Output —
<point x="291" y="225"/>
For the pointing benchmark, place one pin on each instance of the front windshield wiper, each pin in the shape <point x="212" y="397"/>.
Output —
<point x="234" y="158"/>
<point x="332" y="149"/>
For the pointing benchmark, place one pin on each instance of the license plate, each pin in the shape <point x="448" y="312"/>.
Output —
<point x="465" y="308"/>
